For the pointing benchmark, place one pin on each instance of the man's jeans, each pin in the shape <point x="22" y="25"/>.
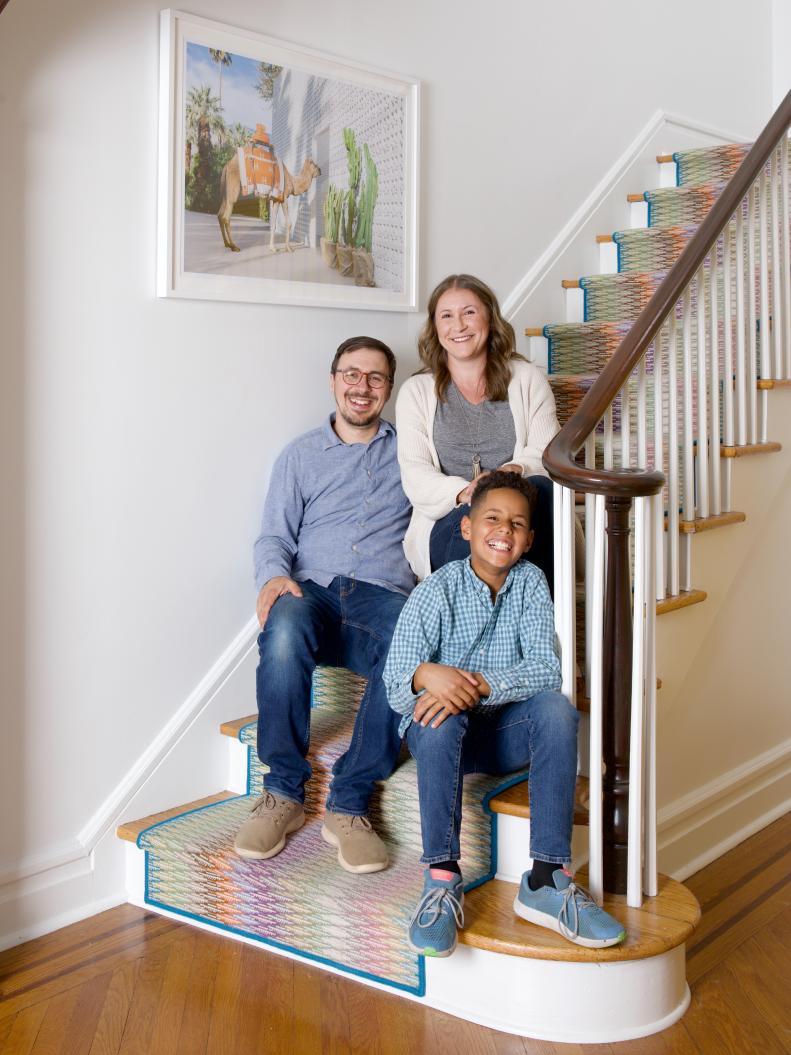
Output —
<point x="346" y="624"/>
<point x="446" y="543"/>
<point x="540" y="732"/>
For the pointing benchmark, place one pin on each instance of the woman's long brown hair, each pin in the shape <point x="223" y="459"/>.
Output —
<point x="502" y="341"/>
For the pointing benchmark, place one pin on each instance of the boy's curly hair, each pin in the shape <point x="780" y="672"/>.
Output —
<point x="501" y="479"/>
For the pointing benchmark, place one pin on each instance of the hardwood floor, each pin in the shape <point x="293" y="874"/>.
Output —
<point x="128" y="982"/>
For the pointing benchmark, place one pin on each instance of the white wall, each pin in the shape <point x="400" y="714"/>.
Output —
<point x="138" y="434"/>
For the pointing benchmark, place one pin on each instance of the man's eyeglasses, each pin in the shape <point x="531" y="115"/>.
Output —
<point x="373" y="377"/>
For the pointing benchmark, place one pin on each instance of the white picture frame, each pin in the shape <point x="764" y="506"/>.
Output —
<point x="304" y="107"/>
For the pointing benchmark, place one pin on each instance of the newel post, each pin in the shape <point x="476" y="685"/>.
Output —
<point x="617" y="694"/>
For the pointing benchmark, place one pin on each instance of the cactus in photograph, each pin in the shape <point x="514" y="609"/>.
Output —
<point x="363" y="233"/>
<point x="333" y="210"/>
<point x="353" y="162"/>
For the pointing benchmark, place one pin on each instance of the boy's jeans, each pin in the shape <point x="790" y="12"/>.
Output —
<point x="540" y="732"/>
<point x="347" y="624"/>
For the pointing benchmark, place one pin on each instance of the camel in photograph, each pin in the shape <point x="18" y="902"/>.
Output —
<point x="293" y="186"/>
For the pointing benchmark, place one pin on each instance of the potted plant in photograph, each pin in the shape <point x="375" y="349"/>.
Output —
<point x="333" y="213"/>
<point x="363" y="232"/>
<point x="344" y="251"/>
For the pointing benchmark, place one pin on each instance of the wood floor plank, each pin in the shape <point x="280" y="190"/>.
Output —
<point x="266" y="1003"/>
<point x="136" y="1039"/>
<point x="762" y="969"/>
<point x="46" y="979"/>
<point x="170" y="1010"/>
<point x="224" y="1023"/>
<point x="404" y="1028"/>
<point x="194" y="1032"/>
<point x="673" y="1041"/>
<point x="24" y="1031"/>
<point x="722" y="1020"/>
<point x="307" y="1009"/>
<point x="81" y="1027"/>
<point x="711" y="884"/>
<point x="115" y="1009"/>
<point x="739" y="916"/>
<point x="50" y="1037"/>
<point x="68" y="939"/>
<point x="334" y="1015"/>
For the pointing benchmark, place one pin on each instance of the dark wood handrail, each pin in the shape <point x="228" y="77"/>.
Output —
<point x="634" y="483"/>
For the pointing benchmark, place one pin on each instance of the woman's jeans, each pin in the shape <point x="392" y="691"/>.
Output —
<point x="348" y="624"/>
<point x="446" y="543"/>
<point x="540" y="732"/>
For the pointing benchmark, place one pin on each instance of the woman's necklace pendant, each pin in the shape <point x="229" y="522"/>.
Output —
<point x="476" y="466"/>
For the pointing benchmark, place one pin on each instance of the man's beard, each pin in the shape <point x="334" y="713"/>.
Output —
<point x="357" y="418"/>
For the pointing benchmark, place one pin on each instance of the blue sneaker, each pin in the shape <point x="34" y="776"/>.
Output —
<point x="570" y="910"/>
<point x="432" y="929"/>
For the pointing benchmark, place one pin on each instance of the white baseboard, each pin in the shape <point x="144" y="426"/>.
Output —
<point x="701" y="826"/>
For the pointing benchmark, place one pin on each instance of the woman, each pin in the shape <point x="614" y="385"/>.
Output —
<point x="477" y="405"/>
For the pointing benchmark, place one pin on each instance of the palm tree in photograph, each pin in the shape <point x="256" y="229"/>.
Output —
<point x="267" y="72"/>
<point x="236" y="135"/>
<point x="222" y="58"/>
<point x="203" y="111"/>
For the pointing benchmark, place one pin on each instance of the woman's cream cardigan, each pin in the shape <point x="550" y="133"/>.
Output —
<point x="431" y="492"/>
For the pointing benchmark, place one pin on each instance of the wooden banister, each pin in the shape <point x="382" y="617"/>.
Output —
<point x="621" y="486"/>
<point x="559" y="455"/>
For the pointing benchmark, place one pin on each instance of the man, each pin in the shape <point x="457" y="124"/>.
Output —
<point x="332" y="580"/>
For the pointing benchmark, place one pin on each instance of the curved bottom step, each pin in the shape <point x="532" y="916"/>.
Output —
<point x="561" y="1001"/>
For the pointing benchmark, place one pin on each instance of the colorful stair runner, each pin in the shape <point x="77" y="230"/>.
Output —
<point x="302" y="900"/>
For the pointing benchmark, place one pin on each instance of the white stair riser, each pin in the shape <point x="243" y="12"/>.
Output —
<point x="608" y="258"/>
<point x="583" y="1003"/>
<point x="638" y="215"/>
<point x="667" y="174"/>
<point x="513" y="847"/>
<point x="574" y="305"/>
<point x="538" y="351"/>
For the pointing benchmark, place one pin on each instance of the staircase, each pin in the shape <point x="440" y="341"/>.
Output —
<point x="689" y="400"/>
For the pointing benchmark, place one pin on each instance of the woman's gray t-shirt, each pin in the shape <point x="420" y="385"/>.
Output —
<point x="462" y="429"/>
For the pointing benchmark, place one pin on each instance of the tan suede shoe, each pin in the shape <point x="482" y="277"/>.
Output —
<point x="359" y="847"/>
<point x="264" y="832"/>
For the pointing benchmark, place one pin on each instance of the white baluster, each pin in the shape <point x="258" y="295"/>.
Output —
<point x="595" y="815"/>
<point x="752" y="292"/>
<point x="672" y="457"/>
<point x="626" y="426"/>
<point x="702" y="461"/>
<point x="569" y="654"/>
<point x="660" y="351"/>
<point x="776" y="295"/>
<point x="650" y="878"/>
<point x="786" y="256"/>
<point x="763" y="258"/>
<point x="590" y="505"/>
<point x="714" y="377"/>
<point x="741" y="323"/>
<point x="689" y="446"/>
<point x="727" y="363"/>
<point x="634" y="867"/>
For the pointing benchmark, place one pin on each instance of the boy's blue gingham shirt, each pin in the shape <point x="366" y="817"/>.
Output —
<point x="450" y="618"/>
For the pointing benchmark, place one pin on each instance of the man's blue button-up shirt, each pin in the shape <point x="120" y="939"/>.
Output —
<point x="336" y="508"/>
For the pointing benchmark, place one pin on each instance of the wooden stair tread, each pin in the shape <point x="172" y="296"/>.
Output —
<point x="515" y="801"/>
<point x="233" y="728"/>
<point x="750" y="448"/>
<point x="680" y="600"/>
<point x="693" y="527"/>
<point x="570" y="283"/>
<point x="769" y="383"/>
<point x="130" y="830"/>
<point x="635" y="197"/>
<point x="664" y="159"/>
<point x="660" y="924"/>
<point x="604" y="238"/>
<point x="534" y="331"/>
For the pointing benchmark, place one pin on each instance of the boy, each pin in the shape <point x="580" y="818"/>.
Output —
<point x="473" y="669"/>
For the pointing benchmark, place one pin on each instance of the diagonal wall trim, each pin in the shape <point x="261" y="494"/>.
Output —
<point x="528" y="284"/>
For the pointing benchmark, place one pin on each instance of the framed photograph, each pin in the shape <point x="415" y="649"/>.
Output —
<point x="286" y="176"/>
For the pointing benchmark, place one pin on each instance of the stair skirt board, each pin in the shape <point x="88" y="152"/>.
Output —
<point x="302" y="901"/>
